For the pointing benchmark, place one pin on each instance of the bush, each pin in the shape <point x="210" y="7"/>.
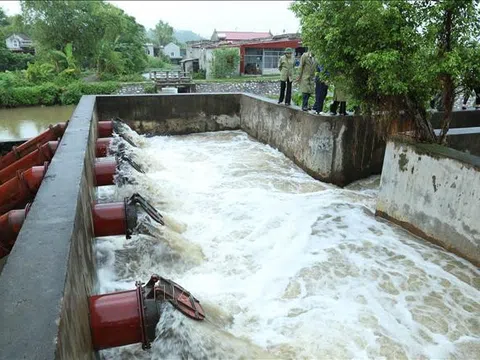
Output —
<point x="11" y="61"/>
<point x="149" y="88"/>
<point x="199" y="75"/>
<point x="225" y="63"/>
<point x="13" y="79"/>
<point x="73" y="92"/>
<point x="46" y="94"/>
<point x="155" y="63"/>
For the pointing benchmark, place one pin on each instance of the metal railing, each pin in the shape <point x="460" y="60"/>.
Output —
<point x="170" y="76"/>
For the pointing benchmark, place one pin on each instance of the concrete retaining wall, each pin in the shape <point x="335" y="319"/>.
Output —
<point x="48" y="276"/>
<point x="434" y="192"/>
<point x="335" y="149"/>
<point x="173" y="114"/>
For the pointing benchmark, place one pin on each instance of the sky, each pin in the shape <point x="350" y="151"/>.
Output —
<point x="202" y="17"/>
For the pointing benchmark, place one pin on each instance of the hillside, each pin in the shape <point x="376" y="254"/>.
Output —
<point x="186" y="35"/>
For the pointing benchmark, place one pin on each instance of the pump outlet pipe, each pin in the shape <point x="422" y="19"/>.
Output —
<point x="102" y="146"/>
<point x="44" y="153"/>
<point x="129" y="317"/>
<point x="18" y="191"/>
<point x="10" y="225"/>
<point x="120" y="218"/>
<point x="109" y="219"/>
<point x="17" y="152"/>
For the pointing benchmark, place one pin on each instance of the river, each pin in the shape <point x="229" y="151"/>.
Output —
<point x="26" y="122"/>
<point x="284" y="265"/>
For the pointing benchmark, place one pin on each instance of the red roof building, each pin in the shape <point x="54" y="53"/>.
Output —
<point x="239" y="35"/>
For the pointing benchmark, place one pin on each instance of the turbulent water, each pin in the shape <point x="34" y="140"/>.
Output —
<point x="285" y="266"/>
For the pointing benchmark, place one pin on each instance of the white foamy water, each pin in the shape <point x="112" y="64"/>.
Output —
<point x="285" y="266"/>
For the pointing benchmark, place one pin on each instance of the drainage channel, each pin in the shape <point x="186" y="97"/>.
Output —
<point x="283" y="266"/>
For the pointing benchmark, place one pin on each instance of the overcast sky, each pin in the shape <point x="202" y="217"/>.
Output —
<point x="204" y="16"/>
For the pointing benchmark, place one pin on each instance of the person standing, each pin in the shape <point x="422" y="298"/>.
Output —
<point x="321" y="90"/>
<point x="339" y="98"/>
<point x="306" y="77"/>
<point x="285" y="65"/>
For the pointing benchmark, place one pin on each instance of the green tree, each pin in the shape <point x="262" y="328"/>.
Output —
<point x="452" y="25"/>
<point x="163" y="33"/>
<point x="391" y="53"/>
<point x="56" y="23"/>
<point x="225" y="62"/>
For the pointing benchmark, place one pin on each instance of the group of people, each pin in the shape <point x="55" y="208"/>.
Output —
<point x="310" y="81"/>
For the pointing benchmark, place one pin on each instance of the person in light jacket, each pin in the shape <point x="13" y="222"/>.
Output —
<point x="339" y="98"/>
<point x="285" y="65"/>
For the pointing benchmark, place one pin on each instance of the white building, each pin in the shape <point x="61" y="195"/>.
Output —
<point x="149" y="49"/>
<point x="172" y="50"/>
<point x="19" y="42"/>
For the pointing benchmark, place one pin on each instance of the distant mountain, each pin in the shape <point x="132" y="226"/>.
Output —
<point x="186" y="35"/>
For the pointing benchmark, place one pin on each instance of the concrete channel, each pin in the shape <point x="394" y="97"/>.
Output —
<point x="46" y="281"/>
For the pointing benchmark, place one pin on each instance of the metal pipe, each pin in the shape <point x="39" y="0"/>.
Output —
<point x="130" y="317"/>
<point x="10" y="225"/>
<point x="43" y="153"/>
<point x="18" y="191"/>
<point x="102" y="146"/>
<point x="17" y="152"/>
<point x="105" y="169"/>
<point x="105" y="128"/>
<point x="111" y="219"/>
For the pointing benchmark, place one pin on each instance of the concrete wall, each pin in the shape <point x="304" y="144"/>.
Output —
<point x="466" y="139"/>
<point x="332" y="149"/>
<point x="173" y="114"/>
<point x="48" y="276"/>
<point x="460" y="119"/>
<point x="434" y="192"/>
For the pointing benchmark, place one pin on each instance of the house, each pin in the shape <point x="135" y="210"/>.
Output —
<point x="260" y="57"/>
<point x="239" y="35"/>
<point x="172" y="50"/>
<point x="20" y="43"/>
<point x="257" y="57"/>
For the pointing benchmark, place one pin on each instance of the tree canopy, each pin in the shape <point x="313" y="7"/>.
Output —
<point x="395" y="55"/>
<point x="162" y="34"/>
<point x="102" y="35"/>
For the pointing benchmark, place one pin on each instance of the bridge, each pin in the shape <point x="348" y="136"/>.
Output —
<point x="182" y="80"/>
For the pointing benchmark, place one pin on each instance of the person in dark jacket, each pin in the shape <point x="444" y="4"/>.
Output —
<point x="321" y="90"/>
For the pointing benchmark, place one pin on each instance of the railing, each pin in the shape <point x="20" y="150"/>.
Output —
<point x="170" y="76"/>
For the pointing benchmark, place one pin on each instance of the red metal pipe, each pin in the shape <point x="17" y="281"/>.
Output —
<point x="10" y="225"/>
<point x="105" y="169"/>
<point x="43" y="153"/>
<point x="115" y="319"/>
<point x="129" y="317"/>
<point x="105" y="128"/>
<point x="110" y="219"/>
<point x="53" y="133"/>
<point x="102" y="146"/>
<point x="18" y="191"/>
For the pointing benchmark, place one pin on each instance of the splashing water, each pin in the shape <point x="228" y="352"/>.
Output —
<point x="285" y="266"/>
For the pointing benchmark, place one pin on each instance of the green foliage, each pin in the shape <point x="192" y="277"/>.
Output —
<point x="45" y="94"/>
<point x="155" y="62"/>
<point x="73" y="92"/>
<point x="391" y="53"/>
<point x="101" y="35"/>
<point x="149" y="88"/>
<point x="225" y="62"/>
<point x="199" y="75"/>
<point x="17" y="90"/>
<point x="40" y="72"/>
